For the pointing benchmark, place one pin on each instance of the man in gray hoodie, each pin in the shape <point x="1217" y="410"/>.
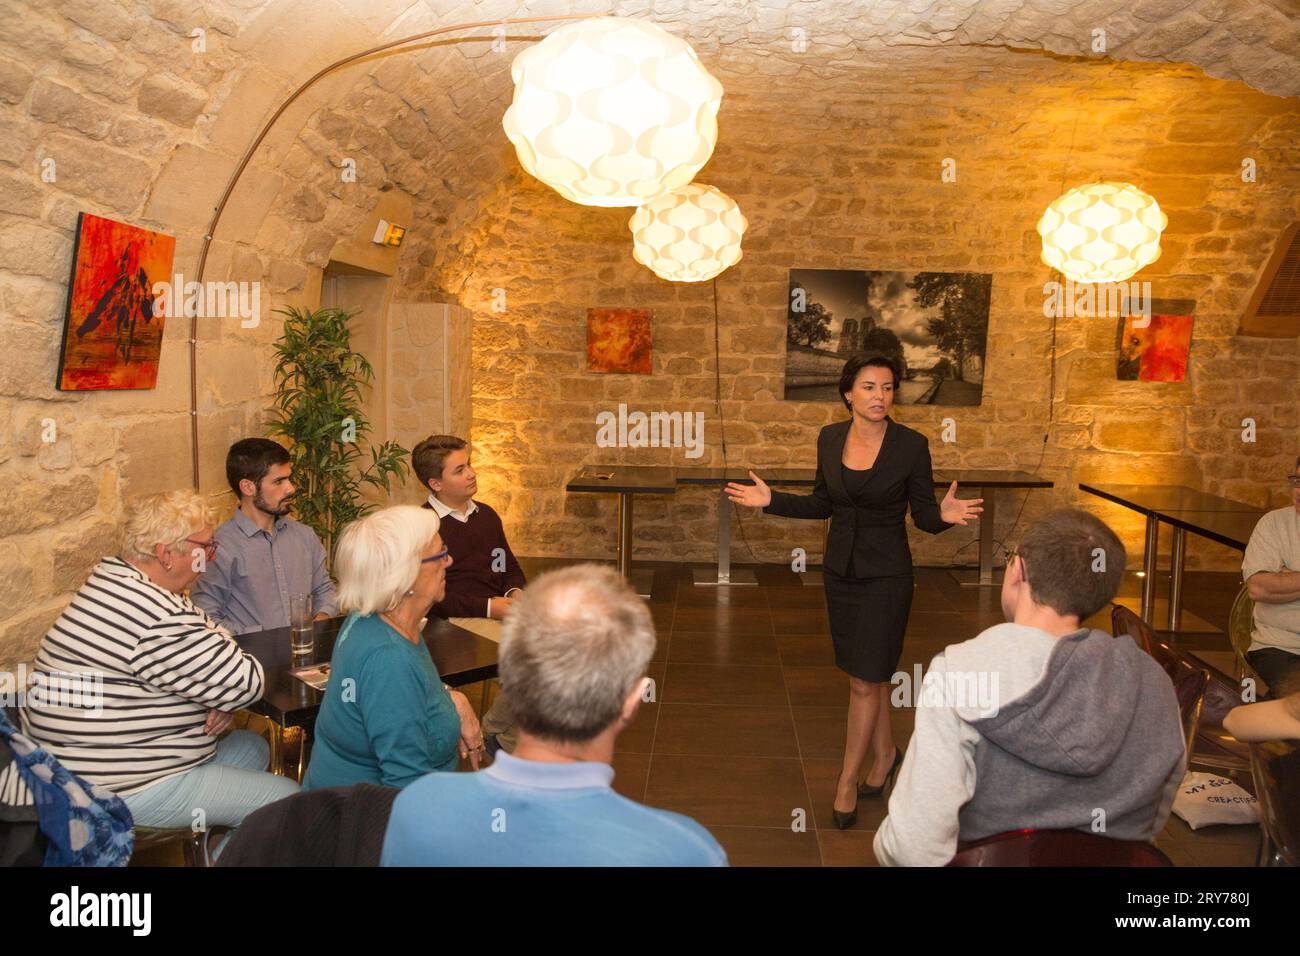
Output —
<point x="1040" y="723"/>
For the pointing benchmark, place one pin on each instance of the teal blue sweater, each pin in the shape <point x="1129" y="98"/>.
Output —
<point x="386" y="718"/>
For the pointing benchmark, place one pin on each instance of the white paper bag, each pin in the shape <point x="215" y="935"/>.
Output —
<point x="1205" y="800"/>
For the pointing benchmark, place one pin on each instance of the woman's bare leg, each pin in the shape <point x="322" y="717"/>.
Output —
<point x="864" y="711"/>
<point x="882" y="740"/>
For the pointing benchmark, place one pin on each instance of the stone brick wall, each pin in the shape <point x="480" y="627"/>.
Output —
<point x="843" y="171"/>
<point x="833" y="154"/>
<point x="429" y="356"/>
<point x="144" y="129"/>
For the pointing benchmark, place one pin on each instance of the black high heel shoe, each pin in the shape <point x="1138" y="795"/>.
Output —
<point x="866" y="791"/>
<point x="843" y="820"/>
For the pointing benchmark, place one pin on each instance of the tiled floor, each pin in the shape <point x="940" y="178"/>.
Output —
<point x="746" y="730"/>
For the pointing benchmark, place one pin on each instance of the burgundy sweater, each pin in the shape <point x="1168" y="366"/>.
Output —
<point x="470" y="579"/>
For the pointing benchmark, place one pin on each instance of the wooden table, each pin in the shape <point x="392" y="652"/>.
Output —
<point x="1224" y="520"/>
<point x="461" y="656"/>
<point x="626" y="481"/>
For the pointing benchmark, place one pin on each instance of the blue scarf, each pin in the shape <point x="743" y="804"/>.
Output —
<point x="85" y="824"/>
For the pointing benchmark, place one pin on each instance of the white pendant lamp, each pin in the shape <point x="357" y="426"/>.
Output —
<point x="612" y="111"/>
<point x="1102" y="232"/>
<point x="688" y="235"/>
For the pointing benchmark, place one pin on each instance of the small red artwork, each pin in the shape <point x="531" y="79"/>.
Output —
<point x="618" y="340"/>
<point x="1156" y="353"/>
<point x="112" y="337"/>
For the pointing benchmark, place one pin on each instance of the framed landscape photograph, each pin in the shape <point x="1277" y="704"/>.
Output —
<point x="112" y="336"/>
<point x="934" y="325"/>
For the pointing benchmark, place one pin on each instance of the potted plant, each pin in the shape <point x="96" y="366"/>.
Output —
<point x="318" y="408"/>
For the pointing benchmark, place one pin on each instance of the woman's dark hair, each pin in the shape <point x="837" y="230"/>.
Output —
<point x="855" y="365"/>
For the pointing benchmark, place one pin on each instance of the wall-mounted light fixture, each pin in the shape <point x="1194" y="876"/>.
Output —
<point x="389" y="234"/>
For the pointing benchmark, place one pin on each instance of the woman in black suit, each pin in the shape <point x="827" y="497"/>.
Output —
<point x="869" y="470"/>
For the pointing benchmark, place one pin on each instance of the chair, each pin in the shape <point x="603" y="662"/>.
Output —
<point x="337" y="826"/>
<point x="1189" y="687"/>
<point x="1125" y="621"/>
<point x="1057" y="848"/>
<point x="1189" y="680"/>
<point x="1241" y="624"/>
<point x="1209" y="745"/>
<point x="1215" y="747"/>
<point x="1276" y="768"/>
<point x="192" y="844"/>
<point x="290" y="746"/>
<point x="1241" y="621"/>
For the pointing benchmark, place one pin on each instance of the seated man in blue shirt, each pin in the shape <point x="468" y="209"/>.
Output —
<point x="262" y="556"/>
<point x="574" y="652"/>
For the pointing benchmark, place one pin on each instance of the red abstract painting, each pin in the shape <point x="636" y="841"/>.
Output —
<point x="112" y="336"/>
<point x="618" y="340"/>
<point x="1156" y="353"/>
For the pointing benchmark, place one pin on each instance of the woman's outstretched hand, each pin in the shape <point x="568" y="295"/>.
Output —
<point x="956" y="510"/>
<point x="757" y="495"/>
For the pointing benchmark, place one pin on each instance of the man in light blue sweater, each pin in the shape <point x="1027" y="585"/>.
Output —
<point x="1040" y="723"/>
<point x="573" y="657"/>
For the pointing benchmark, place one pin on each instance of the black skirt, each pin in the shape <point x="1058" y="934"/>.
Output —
<point x="868" y="617"/>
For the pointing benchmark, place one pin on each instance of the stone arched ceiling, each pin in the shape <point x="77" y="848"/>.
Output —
<point x="428" y="121"/>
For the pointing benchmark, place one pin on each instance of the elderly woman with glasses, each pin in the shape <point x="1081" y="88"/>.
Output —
<point x="387" y="718"/>
<point x="156" y="680"/>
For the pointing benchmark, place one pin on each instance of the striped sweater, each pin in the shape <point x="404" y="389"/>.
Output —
<point x="162" y="664"/>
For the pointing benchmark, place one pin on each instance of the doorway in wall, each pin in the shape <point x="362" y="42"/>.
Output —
<point x="366" y="295"/>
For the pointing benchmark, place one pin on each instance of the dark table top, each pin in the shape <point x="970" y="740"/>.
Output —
<point x="1232" y="528"/>
<point x="989" y="478"/>
<point x="740" y="473"/>
<point x="461" y="656"/>
<point x="640" y="479"/>
<point x="1160" y="500"/>
<point x="646" y="479"/>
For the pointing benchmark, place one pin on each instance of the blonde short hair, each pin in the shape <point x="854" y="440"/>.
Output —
<point x="574" y="644"/>
<point x="378" y="557"/>
<point x="165" y="518"/>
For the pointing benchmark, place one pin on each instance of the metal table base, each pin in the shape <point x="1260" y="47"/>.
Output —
<point x="724" y="576"/>
<point x="984" y="577"/>
<point x="642" y="580"/>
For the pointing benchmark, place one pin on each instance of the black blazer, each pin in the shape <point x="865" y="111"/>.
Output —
<point x="870" y="528"/>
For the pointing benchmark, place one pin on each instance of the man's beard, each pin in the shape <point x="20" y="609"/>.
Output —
<point x="260" y="504"/>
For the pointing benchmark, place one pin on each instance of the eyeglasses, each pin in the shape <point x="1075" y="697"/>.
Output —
<point x="1294" y="480"/>
<point x="209" y="547"/>
<point x="436" y="557"/>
